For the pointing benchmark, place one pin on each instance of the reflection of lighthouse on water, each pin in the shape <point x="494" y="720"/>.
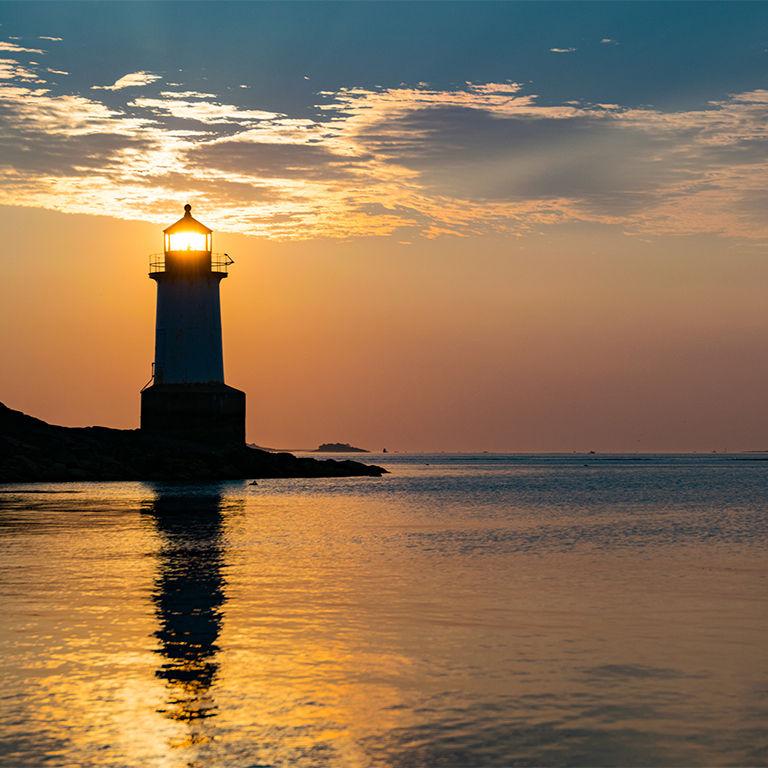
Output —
<point x="188" y="596"/>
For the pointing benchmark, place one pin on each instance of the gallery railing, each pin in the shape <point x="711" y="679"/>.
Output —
<point x="219" y="263"/>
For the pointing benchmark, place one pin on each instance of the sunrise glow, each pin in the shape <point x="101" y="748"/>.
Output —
<point x="516" y="234"/>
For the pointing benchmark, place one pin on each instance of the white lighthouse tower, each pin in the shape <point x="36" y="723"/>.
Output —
<point x="187" y="397"/>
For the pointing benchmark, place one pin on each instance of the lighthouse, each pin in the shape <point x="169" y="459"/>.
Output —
<point x="187" y="397"/>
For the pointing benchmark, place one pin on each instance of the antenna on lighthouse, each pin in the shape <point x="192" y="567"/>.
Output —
<point x="187" y="397"/>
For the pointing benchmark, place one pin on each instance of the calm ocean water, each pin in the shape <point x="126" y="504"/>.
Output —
<point x="466" y="610"/>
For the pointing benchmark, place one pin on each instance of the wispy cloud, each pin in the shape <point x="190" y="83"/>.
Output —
<point x="13" y="71"/>
<point x="14" y="48"/>
<point x="562" y="50"/>
<point x="414" y="160"/>
<point x="202" y="111"/>
<point x="134" y="80"/>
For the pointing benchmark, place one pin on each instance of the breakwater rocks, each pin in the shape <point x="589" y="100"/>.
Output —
<point x="33" y="451"/>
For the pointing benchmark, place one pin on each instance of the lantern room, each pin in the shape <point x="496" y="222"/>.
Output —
<point x="187" y="234"/>
<point x="187" y="249"/>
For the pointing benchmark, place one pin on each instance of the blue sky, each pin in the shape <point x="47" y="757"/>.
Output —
<point x="668" y="55"/>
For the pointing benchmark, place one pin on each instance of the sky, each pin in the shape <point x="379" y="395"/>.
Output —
<point x="458" y="226"/>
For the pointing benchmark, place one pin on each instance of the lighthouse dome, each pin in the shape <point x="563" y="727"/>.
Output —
<point x="187" y="224"/>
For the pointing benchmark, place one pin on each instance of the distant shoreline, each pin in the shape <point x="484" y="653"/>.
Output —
<point x="324" y="448"/>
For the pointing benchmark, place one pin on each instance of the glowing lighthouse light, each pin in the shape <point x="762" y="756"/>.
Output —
<point x="188" y="241"/>
<point x="188" y="235"/>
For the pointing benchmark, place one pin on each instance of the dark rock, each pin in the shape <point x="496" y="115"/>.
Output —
<point x="33" y="451"/>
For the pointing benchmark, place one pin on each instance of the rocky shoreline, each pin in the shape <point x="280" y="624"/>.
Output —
<point x="33" y="451"/>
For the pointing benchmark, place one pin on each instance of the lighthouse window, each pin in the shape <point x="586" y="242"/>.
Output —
<point x="188" y="241"/>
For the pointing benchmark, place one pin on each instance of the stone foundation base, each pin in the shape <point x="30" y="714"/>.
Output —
<point x="206" y="413"/>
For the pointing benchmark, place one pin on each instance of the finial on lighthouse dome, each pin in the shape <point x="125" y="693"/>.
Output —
<point x="188" y="209"/>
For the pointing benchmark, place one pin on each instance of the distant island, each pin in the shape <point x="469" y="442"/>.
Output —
<point x="33" y="451"/>
<point x="339" y="448"/>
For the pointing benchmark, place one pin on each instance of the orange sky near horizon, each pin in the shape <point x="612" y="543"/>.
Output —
<point x="456" y="226"/>
<point x="575" y="338"/>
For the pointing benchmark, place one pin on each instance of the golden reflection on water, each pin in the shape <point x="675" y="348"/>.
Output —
<point x="284" y="641"/>
<point x="341" y="626"/>
<point x="307" y="705"/>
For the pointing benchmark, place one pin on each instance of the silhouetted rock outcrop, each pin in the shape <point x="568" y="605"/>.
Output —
<point x="33" y="451"/>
